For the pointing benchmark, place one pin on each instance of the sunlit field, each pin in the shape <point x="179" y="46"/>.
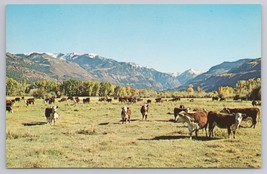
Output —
<point x="92" y="136"/>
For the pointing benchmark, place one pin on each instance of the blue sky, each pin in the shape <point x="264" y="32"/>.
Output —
<point x="168" y="38"/>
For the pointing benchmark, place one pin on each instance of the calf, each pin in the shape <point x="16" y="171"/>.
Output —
<point x="249" y="112"/>
<point x="198" y="120"/>
<point x="50" y="114"/>
<point x="125" y="114"/>
<point x="223" y="120"/>
<point x="144" y="111"/>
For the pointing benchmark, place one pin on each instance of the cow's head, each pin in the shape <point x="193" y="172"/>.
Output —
<point x="238" y="117"/>
<point x="54" y="108"/>
<point x="124" y="110"/>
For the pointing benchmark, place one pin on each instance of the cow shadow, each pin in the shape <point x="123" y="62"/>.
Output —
<point x="132" y="120"/>
<point x="170" y="120"/>
<point x="176" y="137"/>
<point x="34" y="123"/>
<point x="103" y="124"/>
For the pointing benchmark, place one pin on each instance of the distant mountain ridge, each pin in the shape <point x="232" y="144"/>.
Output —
<point x="226" y="74"/>
<point x="36" y="66"/>
<point x="88" y="67"/>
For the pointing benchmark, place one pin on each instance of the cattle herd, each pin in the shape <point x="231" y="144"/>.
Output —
<point x="227" y="118"/>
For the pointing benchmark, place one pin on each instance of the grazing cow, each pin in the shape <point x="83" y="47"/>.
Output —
<point x="222" y="99"/>
<point x="158" y="100"/>
<point x="51" y="100"/>
<point x="9" y="108"/>
<point x="9" y="103"/>
<point x="256" y="103"/>
<point x="249" y="112"/>
<point x="177" y="110"/>
<point x="198" y="120"/>
<point x="223" y="120"/>
<point x="51" y="115"/>
<point x="46" y="100"/>
<point x="62" y="99"/>
<point x="70" y="98"/>
<point x="109" y="100"/>
<point x="175" y="99"/>
<point x="76" y="100"/>
<point x="144" y="111"/>
<point x="86" y="100"/>
<point x="125" y="114"/>
<point x="243" y="98"/>
<point x="191" y="100"/>
<point x="215" y="98"/>
<point x="123" y="99"/>
<point x="17" y="99"/>
<point x="30" y="101"/>
<point x="237" y="97"/>
<point x="140" y="99"/>
<point x="148" y="101"/>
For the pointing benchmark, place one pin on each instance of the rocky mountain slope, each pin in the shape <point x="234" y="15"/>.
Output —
<point x="36" y="66"/>
<point x="226" y="74"/>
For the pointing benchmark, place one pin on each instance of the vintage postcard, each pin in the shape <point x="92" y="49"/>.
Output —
<point x="133" y="86"/>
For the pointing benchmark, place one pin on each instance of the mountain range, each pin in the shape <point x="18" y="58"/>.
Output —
<point x="36" y="66"/>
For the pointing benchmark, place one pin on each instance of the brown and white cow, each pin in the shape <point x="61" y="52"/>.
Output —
<point x="125" y="114"/>
<point x="223" y="120"/>
<point x="30" y="101"/>
<point x="9" y="108"/>
<point x="198" y="120"/>
<point x="144" y="111"/>
<point x="249" y="112"/>
<point x="176" y="111"/>
<point x="51" y="115"/>
<point x="86" y="100"/>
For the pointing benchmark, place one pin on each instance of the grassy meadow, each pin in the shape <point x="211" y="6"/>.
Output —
<point x="92" y="136"/>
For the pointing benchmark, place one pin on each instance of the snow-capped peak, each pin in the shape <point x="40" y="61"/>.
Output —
<point x="92" y="55"/>
<point x="192" y="71"/>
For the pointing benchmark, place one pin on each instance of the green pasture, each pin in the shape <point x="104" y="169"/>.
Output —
<point x="92" y="136"/>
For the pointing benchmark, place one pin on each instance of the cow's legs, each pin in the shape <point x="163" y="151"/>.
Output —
<point x="234" y="133"/>
<point x="196" y="132"/>
<point x="229" y="132"/>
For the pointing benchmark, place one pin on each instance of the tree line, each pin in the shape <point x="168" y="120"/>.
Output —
<point x="250" y="88"/>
